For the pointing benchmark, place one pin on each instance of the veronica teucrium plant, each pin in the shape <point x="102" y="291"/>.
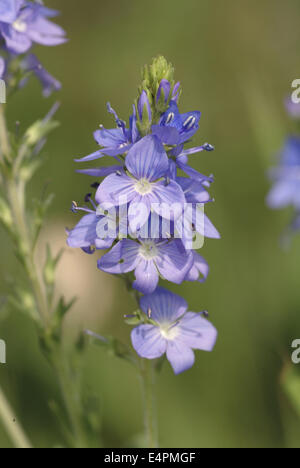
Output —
<point x="285" y="176"/>
<point x="22" y="24"/>
<point x="285" y="192"/>
<point x="147" y="220"/>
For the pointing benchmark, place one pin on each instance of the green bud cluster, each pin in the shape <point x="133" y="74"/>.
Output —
<point x="152" y="76"/>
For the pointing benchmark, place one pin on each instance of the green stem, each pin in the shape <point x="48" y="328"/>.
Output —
<point x="15" y="190"/>
<point x="147" y="374"/>
<point x="71" y="400"/>
<point x="4" y="140"/>
<point x="150" y="419"/>
<point x="13" y="428"/>
<point x="15" y="193"/>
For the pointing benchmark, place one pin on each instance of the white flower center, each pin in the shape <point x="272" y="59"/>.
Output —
<point x="148" y="250"/>
<point x="19" y="25"/>
<point x="143" y="186"/>
<point x="169" y="332"/>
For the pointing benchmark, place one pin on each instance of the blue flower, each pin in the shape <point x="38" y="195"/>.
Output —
<point x="148" y="259"/>
<point x="175" y="128"/>
<point x="30" y="65"/>
<point x="48" y="82"/>
<point x="292" y="108"/>
<point x="9" y="10"/>
<point x="143" y="184"/>
<point x="199" y="270"/>
<point x="179" y="160"/>
<point x="97" y="229"/>
<point x="286" y="177"/>
<point x="174" y="332"/>
<point x="23" y="23"/>
<point x="116" y="141"/>
<point x="2" y="68"/>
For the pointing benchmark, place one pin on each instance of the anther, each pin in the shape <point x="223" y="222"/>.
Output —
<point x="87" y="198"/>
<point x="74" y="207"/>
<point x="190" y="122"/>
<point x="205" y="313"/>
<point x="208" y="147"/>
<point x="170" y="118"/>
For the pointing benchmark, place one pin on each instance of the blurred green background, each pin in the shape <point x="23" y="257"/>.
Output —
<point x="236" y="61"/>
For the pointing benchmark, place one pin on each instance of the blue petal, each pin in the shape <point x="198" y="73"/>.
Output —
<point x="84" y="234"/>
<point x="194" y="192"/>
<point x="148" y="341"/>
<point x="199" y="271"/>
<point x="113" y="137"/>
<point x="197" y="332"/>
<point x="174" y="261"/>
<point x="167" y="200"/>
<point x="146" y="277"/>
<point x="180" y="356"/>
<point x="147" y="159"/>
<point x="172" y="117"/>
<point x="101" y="171"/>
<point x="122" y="258"/>
<point x="91" y="157"/>
<point x="192" y="173"/>
<point x="9" y="10"/>
<point x="167" y="135"/>
<point x="116" y="189"/>
<point x="165" y="306"/>
<point x="284" y="193"/>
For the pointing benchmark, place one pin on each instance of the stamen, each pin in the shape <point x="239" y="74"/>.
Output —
<point x="149" y="313"/>
<point x="167" y="181"/>
<point x="170" y="118"/>
<point x="75" y="208"/>
<point x="174" y="325"/>
<point x="87" y="198"/>
<point x="190" y="122"/>
<point x="19" y="25"/>
<point x="143" y="186"/>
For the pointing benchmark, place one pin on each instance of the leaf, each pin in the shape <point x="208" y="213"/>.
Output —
<point x="38" y="131"/>
<point x="113" y="346"/>
<point x="50" y="265"/>
<point x="40" y="210"/>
